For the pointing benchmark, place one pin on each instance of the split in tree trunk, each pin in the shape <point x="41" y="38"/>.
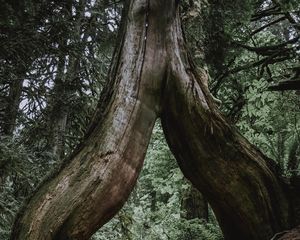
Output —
<point x="151" y="76"/>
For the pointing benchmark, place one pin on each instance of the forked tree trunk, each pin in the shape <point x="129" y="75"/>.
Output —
<point x="151" y="76"/>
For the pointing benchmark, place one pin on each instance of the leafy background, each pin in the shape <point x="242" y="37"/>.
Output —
<point x="55" y="56"/>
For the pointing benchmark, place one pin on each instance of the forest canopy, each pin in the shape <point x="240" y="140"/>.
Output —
<point x="59" y="73"/>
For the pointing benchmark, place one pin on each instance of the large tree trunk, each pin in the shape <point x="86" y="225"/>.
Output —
<point x="152" y="75"/>
<point x="243" y="191"/>
<point x="94" y="184"/>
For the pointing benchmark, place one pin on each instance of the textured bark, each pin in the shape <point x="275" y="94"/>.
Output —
<point x="58" y="116"/>
<point x="233" y="175"/>
<point x="293" y="234"/>
<point x="244" y="193"/>
<point x="152" y="75"/>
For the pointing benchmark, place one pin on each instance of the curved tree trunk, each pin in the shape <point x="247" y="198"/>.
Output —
<point x="244" y="193"/>
<point x="95" y="183"/>
<point x="152" y="75"/>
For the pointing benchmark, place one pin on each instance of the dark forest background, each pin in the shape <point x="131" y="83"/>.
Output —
<point x="54" y="59"/>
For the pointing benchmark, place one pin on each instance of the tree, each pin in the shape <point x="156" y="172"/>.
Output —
<point x="66" y="81"/>
<point x="152" y="75"/>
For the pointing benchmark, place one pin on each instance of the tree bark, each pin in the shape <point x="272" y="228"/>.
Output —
<point x="151" y="76"/>
<point x="58" y="111"/>
<point x="293" y="234"/>
<point x="12" y="105"/>
<point x="233" y="175"/>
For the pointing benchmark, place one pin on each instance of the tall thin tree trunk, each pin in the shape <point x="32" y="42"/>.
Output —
<point x="67" y="71"/>
<point x="60" y="105"/>
<point x="12" y="106"/>
<point x="9" y="120"/>
<point x="152" y="75"/>
<point x="58" y="112"/>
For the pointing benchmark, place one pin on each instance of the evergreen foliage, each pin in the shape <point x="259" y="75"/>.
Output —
<point x="55" y="57"/>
